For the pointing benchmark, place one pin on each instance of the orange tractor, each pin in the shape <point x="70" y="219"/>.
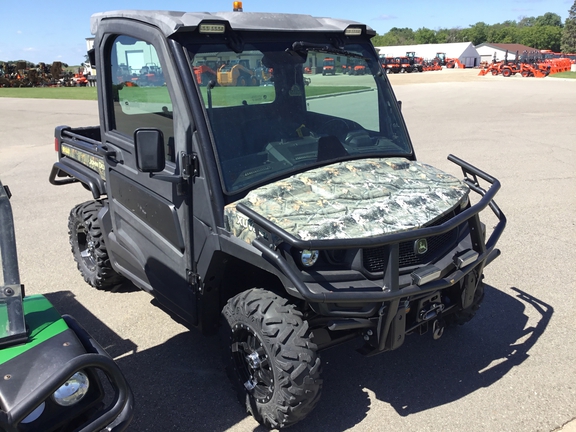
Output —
<point x="431" y="65"/>
<point x="558" y="62"/>
<point x="204" y="72"/>
<point x="329" y="67"/>
<point x="354" y="67"/>
<point x="449" y="62"/>
<point x="527" y="65"/>
<point x="80" y="79"/>
<point x="416" y="63"/>
<point x="390" y="64"/>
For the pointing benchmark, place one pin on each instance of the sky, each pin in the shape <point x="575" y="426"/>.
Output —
<point x="47" y="32"/>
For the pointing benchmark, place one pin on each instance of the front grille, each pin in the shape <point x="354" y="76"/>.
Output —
<point x="374" y="259"/>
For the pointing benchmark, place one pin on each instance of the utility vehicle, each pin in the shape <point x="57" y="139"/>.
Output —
<point x="288" y="217"/>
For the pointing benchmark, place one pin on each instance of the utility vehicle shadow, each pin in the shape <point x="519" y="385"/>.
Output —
<point x="65" y="302"/>
<point x="425" y="373"/>
<point x="125" y="287"/>
<point x="181" y="385"/>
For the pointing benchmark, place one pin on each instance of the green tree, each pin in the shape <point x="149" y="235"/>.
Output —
<point x="384" y="40"/>
<point x="425" y="36"/>
<point x="543" y="32"/>
<point x="451" y="35"/>
<point x="396" y="36"/>
<point x="503" y="34"/>
<point x="527" y="22"/>
<point x="478" y="33"/>
<point x="568" y="43"/>
<point x="405" y="36"/>
<point x="442" y="36"/>
<point x="549" y="19"/>
<point x="541" y="37"/>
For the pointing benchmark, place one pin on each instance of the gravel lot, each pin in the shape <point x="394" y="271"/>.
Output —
<point x="513" y="368"/>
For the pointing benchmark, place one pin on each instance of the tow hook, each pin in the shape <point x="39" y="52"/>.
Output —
<point x="431" y="312"/>
<point x="438" y="329"/>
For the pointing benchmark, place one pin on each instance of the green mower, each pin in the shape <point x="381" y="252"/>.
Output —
<point x="53" y="375"/>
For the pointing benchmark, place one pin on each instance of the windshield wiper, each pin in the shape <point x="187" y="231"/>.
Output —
<point x="302" y="46"/>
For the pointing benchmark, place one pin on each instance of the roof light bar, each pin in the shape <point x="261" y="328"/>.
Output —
<point x="237" y="6"/>
<point x="353" y="31"/>
<point x="212" y="28"/>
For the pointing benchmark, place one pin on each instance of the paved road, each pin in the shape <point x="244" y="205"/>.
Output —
<point x="511" y="369"/>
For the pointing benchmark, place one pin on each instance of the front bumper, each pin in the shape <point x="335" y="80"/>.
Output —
<point x="448" y="273"/>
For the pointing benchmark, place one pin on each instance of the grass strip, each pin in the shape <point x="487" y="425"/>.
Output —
<point x="72" y="93"/>
<point x="570" y="75"/>
<point x="221" y="96"/>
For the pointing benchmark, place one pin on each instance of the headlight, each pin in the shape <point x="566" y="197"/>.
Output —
<point x="34" y="414"/>
<point x="464" y="203"/>
<point x="309" y="257"/>
<point x="73" y="390"/>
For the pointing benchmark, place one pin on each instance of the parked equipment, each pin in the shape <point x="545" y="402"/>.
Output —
<point x="529" y="64"/>
<point x="396" y="64"/>
<point x="25" y="74"/>
<point x="329" y="67"/>
<point x="415" y="62"/>
<point x="53" y="372"/>
<point x="390" y="64"/>
<point x="236" y="73"/>
<point x="449" y="62"/>
<point x="204" y="72"/>
<point x="355" y="67"/>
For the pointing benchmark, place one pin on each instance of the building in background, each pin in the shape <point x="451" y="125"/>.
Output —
<point x="463" y="51"/>
<point x="490" y="51"/>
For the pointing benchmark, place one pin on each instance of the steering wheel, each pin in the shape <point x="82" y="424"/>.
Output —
<point x="335" y="126"/>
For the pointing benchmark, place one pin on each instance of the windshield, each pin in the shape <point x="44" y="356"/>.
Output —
<point x="274" y="111"/>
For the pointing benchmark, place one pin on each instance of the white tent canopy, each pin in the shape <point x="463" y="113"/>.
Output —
<point x="463" y="51"/>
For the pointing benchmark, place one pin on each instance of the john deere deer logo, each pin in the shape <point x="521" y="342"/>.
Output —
<point x="421" y="246"/>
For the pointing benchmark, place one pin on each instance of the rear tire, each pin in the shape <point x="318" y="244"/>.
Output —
<point x="87" y="242"/>
<point x="270" y="358"/>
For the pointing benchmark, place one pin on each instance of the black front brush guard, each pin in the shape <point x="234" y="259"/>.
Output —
<point x="391" y="291"/>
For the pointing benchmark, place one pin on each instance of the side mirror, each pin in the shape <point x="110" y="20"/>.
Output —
<point x="399" y="105"/>
<point x="149" y="146"/>
<point x="92" y="57"/>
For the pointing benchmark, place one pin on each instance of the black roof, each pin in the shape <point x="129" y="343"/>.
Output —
<point x="170" y="22"/>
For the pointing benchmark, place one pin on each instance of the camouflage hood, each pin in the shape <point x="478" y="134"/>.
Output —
<point x="352" y="199"/>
